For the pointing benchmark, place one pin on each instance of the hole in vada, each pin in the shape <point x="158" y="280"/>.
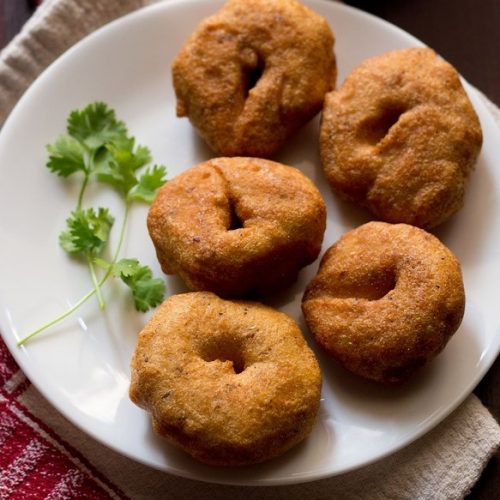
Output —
<point x="234" y="220"/>
<point x="224" y="350"/>
<point x="381" y="284"/>
<point x="375" y="128"/>
<point x="252" y="74"/>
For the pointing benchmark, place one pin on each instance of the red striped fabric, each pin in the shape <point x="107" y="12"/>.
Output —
<point x="35" y="463"/>
<point x="8" y="366"/>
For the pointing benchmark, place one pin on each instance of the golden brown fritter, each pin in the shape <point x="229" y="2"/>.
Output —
<point x="237" y="225"/>
<point x="386" y="299"/>
<point x="401" y="137"/>
<point x="231" y="383"/>
<point x="253" y="73"/>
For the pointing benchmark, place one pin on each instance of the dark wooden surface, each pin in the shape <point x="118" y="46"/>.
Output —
<point x="466" y="33"/>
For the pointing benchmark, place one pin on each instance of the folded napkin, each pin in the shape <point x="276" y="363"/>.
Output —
<point x="45" y="456"/>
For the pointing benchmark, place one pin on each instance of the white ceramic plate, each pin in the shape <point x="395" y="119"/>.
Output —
<point x="82" y="365"/>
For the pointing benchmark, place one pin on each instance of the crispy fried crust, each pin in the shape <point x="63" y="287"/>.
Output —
<point x="236" y="225"/>
<point x="231" y="383"/>
<point x="386" y="299"/>
<point x="253" y="73"/>
<point x="401" y="137"/>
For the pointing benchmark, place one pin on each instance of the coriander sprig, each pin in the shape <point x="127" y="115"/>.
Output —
<point x="97" y="146"/>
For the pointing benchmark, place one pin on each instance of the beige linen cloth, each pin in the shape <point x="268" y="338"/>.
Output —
<point x="444" y="464"/>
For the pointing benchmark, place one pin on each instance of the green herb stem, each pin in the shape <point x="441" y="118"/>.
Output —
<point x="90" y="264"/>
<point x="95" y="281"/>
<point x="82" y="191"/>
<point x="121" y="238"/>
<point x="59" y="318"/>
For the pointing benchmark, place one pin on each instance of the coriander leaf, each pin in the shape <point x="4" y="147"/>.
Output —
<point x="95" y="125"/>
<point x="142" y="156"/>
<point x="124" y="142"/>
<point x="87" y="231"/>
<point x="147" y="291"/>
<point x="125" y="154"/>
<point x="117" y="166"/>
<point x="126" y="268"/>
<point x="136" y="156"/>
<point x="117" y="173"/>
<point x="67" y="242"/>
<point x="67" y="156"/>
<point x="149" y="184"/>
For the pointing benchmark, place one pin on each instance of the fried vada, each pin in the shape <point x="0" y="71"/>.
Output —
<point x="254" y="73"/>
<point x="401" y="138"/>
<point x="231" y="383"/>
<point x="234" y="226"/>
<point x="386" y="300"/>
